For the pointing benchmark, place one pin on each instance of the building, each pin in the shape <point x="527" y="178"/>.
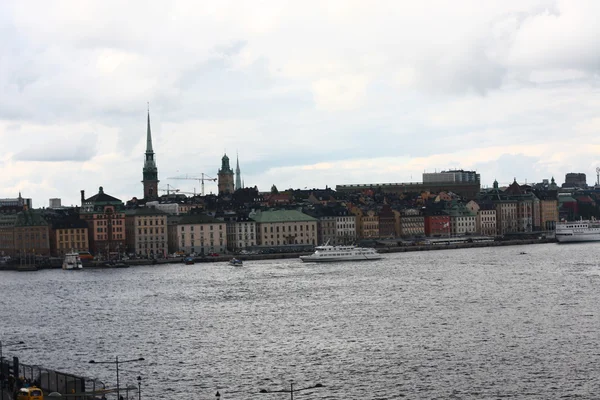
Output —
<point x="32" y="234"/>
<point x="575" y="180"/>
<point x="8" y="219"/>
<point x="462" y="219"/>
<point x="367" y="223"/>
<point x="485" y="223"/>
<point x="548" y="210"/>
<point x="69" y="234"/>
<point x="387" y="222"/>
<point x="105" y="217"/>
<point x="150" y="171"/>
<point x="238" y="174"/>
<point x="197" y="233"/>
<point x="452" y="176"/>
<point x="55" y="203"/>
<point x="16" y="202"/>
<point x="241" y="232"/>
<point x="146" y="232"/>
<point x="467" y="190"/>
<point x="436" y="223"/>
<point x="284" y="227"/>
<point x="412" y="223"/>
<point x="225" y="177"/>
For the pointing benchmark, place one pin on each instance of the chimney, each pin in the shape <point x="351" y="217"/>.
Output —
<point x="82" y="197"/>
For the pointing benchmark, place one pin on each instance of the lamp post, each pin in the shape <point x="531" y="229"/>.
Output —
<point x="139" y="379"/>
<point x="2" y="365"/>
<point x="291" y="390"/>
<point x="117" y="362"/>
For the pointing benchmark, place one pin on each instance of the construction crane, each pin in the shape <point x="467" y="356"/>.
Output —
<point x="203" y="177"/>
<point x="169" y="189"/>
<point x="175" y="191"/>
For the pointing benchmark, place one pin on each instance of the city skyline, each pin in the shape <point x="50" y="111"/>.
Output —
<point x="307" y="94"/>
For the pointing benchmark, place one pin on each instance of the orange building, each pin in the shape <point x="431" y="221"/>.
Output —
<point x="105" y="217"/>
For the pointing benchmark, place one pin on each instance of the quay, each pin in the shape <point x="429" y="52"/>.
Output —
<point x="440" y="245"/>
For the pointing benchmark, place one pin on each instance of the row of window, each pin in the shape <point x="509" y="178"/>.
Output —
<point x="289" y="228"/>
<point x="162" y="222"/>
<point x="150" y="230"/>
<point x="201" y="227"/>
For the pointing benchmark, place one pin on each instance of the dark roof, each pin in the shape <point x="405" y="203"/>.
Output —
<point x="71" y="223"/>
<point x="30" y="218"/>
<point x="144" y="211"/>
<point x="102" y="197"/>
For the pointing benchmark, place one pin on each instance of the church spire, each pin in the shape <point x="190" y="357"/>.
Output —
<point x="149" y="135"/>
<point x="238" y="175"/>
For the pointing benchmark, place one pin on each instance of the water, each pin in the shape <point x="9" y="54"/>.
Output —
<point x="464" y="324"/>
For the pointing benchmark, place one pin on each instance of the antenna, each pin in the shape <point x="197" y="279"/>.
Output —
<point x="598" y="176"/>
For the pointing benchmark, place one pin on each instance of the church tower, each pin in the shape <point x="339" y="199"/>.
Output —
<point x="150" y="172"/>
<point x="225" y="177"/>
<point x="238" y="174"/>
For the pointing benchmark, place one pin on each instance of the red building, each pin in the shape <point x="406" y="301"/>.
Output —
<point x="437" y="225"/>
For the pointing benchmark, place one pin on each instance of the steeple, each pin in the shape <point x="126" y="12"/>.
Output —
<point x="238" y="175"/>
<point x="150" y="171"/>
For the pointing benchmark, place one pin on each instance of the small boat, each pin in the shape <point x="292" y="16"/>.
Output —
<point x="236" y="262"/>
<point x="188" y="260"/>
<point x="72" y="261"/>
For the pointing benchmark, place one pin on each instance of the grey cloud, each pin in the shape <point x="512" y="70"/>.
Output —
<point x="61" y="150"/>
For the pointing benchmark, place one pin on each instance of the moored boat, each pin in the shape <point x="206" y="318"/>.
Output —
<point x="578" y="231"/>
<point x="72" y="261"/>
<point x="236" y="262"/>
<point x="188" y="260"/>
<point x="327" y="253"/>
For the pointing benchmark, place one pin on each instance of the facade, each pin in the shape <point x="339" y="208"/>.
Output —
<point x="452" y="176"/>
<point x="105" y="218"/>
<point x="146" y="232"/>
<point x="575" y="180"/>
<point x="32" y="234"/>
<point x="150" y="171"/>
<point x="387" y="222"/>
<point x="412" y="223"/>
<point x="197" y="233"/>
<point x="462" y="220"/>
<point x="285" y="227"/>
<point x="8" y="219"/>
<point x="436" y="224"/>
<point x="367" y="224"/>
<point x="225" y="177"/>
<point x="69" y="235"/>
<point x="335" y="225"/>
<point x="55" y="203"/>
<point x="345" y="227"/>
<point x="485" y="223"/>
<point x="241" y="233"/>
<point x="548" y="213"/>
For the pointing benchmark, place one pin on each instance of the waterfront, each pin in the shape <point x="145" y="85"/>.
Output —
<point x="471" y="323"/>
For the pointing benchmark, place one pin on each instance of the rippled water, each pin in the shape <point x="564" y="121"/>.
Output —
<point x="466" y="324"/>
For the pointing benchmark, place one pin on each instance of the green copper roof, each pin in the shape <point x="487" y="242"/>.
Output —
<point x="281" y="216"/>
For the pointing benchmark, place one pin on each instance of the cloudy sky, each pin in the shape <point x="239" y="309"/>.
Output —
<point x="308" y="93"/>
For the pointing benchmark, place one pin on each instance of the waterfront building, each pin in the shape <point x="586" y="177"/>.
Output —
<point x="335" y="224"/>
<point x="197" y="233"/>
<point x="241" y="232"/>
<point x="150" y="170"/>
<point x="32" y="234"/>
<point x="548" y="210"/>
<point x="8" y="218"/>
<point x="387" y="222"/>
<point x="462" y="219"/>
<point x="225" y="177"/>
<point x="525" y="201"/>
<point x="105" y="217"/>
<point x="284" y="227"/>
<point x="69" y="234"/>
<point x="367" y="223"/>
<point x="485" y="223"/>
<point x="146" y="231"/>
<point x="436" y="223"/>
<point x="412" y="223"/>
<point x="238" y="174"/>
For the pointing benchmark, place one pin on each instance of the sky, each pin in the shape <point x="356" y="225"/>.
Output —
<point x="306" y="93"/>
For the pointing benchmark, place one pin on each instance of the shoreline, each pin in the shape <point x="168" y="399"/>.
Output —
<point x="274" y="256"/>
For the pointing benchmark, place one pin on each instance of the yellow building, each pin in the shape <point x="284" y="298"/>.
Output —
<point x="285" y="227"/>
<point x="69" y="235"/>
<point x="146" y="230"/>
<point x="197" y="233"/>
<point x="548" y="214"/>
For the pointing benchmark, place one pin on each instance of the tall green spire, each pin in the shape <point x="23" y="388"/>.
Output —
<point x="149" y="135"/>
<point x="150" y="171"/>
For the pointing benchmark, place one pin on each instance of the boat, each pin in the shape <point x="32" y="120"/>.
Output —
<point x="236" y="262"/>
<point x="188" y="260"/>
<point x="327" y="253"/>
<point x="578" y="231"/>
<point x="72" y="261"/>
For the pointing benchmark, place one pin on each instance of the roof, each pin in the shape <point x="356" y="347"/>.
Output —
<point x="30" y="218"/>
<point x="281" y="216"/>
<point x="70" y="223"/>
<point x="102" y="197"/>
<point x="144" y="211"/>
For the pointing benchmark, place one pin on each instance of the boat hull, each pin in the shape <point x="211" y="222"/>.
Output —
<point x="338" y="259"/>
<point x="575" y="238"/>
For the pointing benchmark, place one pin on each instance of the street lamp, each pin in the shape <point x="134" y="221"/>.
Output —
<point x="291" y="390"/>
<point x="117" y="362"/>
<point x="2" y="365"/>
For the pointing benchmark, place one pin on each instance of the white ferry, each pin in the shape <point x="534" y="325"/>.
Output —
<point x="72" y="261"/>
<point x="578" y="231"/>
<point x="328" y="253"/>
